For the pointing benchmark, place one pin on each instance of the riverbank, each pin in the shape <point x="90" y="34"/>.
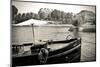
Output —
<point x="46" y="25"/>
<point x="88" y="27"/>
<point x="82" y="28"/>
<point x="85" y="28"/>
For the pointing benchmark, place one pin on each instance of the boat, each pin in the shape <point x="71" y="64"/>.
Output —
<point x="70" y="51"/>
<point x="47" y="52"/>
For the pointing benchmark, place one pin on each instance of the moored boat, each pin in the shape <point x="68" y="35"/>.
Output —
<point x="49" y="52"/>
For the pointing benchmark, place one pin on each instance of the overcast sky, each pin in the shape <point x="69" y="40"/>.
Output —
<point x="24" y="7"/>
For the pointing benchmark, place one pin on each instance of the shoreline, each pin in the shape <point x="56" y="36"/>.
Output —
<point x="46" y="25"/>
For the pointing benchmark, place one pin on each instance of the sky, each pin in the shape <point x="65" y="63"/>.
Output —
<point x="24" y="7"/>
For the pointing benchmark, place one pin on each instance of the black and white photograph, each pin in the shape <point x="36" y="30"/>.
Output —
<point x="45" y="33"/>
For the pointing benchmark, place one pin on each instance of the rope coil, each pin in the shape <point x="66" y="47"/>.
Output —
<point x="43" y="55"/>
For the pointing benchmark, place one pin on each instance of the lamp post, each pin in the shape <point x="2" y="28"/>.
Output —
<point x="33" y="34"/>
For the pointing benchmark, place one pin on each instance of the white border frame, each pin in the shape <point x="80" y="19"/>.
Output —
<point x="5" y="33"/>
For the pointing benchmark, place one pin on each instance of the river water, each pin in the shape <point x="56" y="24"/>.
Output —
<point x="24" y="34"/>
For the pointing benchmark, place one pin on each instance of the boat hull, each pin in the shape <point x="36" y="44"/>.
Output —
<point x="63" y="55"/>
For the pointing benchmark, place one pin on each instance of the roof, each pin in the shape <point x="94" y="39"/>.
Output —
<point x="31" y="21"/>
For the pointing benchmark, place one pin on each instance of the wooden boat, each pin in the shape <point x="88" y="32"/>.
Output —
<point x="68" y="51"/>
<point x="47" y="52"/>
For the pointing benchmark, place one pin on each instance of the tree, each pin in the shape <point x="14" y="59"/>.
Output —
<point x="18" y="18"/>
<point x="28" y="16"/>
<point x="14" y="12"/>
<point x="75" y="22"/>
<point x="23" y="17"/>
<point x="68" y="17"/>
<point x="55" y="15"/>
<point x="40" y="13"/>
